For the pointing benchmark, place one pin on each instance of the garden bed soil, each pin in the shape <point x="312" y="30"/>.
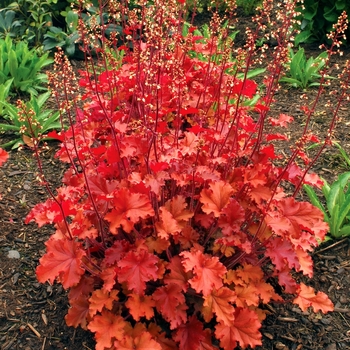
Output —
<point x="32" y="314"/>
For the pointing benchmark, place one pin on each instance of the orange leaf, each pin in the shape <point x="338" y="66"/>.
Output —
<point x="143" y="341"/>
<point x="107" y="327"/>
<point x="218" y="302"/>
<point x="307" y="297"/>
<point x="305" y="261"/>
<point x="78" y="314"/>
<point x="208" y="271"/>
<point x="62" y="261"/>
<point x="140" y="306"/>
<point x="247" y="295"/>
<point x="171" y="304"/>
<point x="216" y="197"/>
<point x="177" y="207"/>
<point x="250" y="272"/>
<point x="137" y="268"/>
<point x="101" y="298"/>
<point x="128" y="209"/>
<point x="167" y="225"/>
<point x="245" y="330"/>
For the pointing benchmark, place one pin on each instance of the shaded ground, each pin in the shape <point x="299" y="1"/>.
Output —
<point x="32" y="314"/>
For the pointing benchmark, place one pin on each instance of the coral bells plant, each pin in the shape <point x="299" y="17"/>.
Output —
<point x="173" y="226"/>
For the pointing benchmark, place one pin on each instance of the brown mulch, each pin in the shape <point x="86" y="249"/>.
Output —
<point x="32" y="314"/>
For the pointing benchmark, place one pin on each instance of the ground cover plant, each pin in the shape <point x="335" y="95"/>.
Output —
<point x="23" y="67"/>
<point x="174" y="225"/>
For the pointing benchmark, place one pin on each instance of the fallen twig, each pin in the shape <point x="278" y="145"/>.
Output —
<point x="34" y="330"/>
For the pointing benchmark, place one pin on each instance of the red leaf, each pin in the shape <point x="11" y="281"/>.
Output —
<point x="245" y="330"/>
<point x="114" y="253"/>
<point x="208" y="271"/>
<point x="3" y="156"/>
<point x="192" y="336"/>
<point x="177" y="273"/>
<point x="232" y="217"/>
<point x="297" y="216"/>
<point x="128" y="209"/>
<point x="283" y="120"/>
<point x="307" y="297"/>
<point x="137" y="268"/>
<point x="160" y="337"/>
<point x="107" y="327"/>
<point x="57" y="136"/>
<point x="282" y="253"/>
<point x="216" y="197"/>
<point x="62" y="261"/>
<point x="286" y="280"/>
<point x="171" y="304"/>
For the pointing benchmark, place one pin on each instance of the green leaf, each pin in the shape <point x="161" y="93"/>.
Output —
<point x="13" y="66"/>
<point x="8" y="127"/>
<point x="333" y="220"/>
<point x="302" y="37"/>
<point x="316" y="201"/>
<point x="343" y="212"/>
<point x="344" y="231"/>
<point x="336" y="193"/>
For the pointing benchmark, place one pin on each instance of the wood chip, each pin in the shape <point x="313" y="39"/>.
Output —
<point x="34" y="330"/>
<point x="287" y="319"/>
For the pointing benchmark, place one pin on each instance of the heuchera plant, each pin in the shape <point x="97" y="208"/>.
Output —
<point x="173" y="225"/>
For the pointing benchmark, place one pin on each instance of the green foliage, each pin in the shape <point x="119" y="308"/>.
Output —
<point x="205" y="36"/>
<point x="28" y="119"/>
<point x="9" y="26"/>
<point x="337" y="209"/>
<point x="248" y="6"/>
<point x="23" y="65"/>
<point x="57" y="37"/>
<point x="4" y="94"/>
<point x="343" y="153"/>
<point x="317" y="19"/>
<point x="303" y="73"/>
<point x="37" y="16"/>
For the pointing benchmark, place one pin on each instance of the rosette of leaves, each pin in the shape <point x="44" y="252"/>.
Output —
<point x="23" y="66"/>
<point x="303" y="73"/>
<point x="336" y="210"/>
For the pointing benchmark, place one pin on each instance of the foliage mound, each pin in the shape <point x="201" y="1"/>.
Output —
<point x="173" y="226"/>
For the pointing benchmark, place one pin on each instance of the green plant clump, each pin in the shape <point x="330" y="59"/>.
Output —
<point x="337" y="206"/>
<point x="303" y="73"/>
<point x="23" y="65"/>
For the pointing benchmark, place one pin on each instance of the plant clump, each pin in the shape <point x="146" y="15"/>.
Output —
<point x="173" y="226"/>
